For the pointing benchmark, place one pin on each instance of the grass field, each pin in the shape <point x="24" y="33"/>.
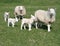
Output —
<point x="36" y="37"/>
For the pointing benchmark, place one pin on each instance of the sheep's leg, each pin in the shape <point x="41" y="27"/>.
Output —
<point x="21" y="26"/>
<point x="24" y="27"/>
<point x="36" y="25"/>
<point x="48" y="27"/>
<point x="29" y="27"/>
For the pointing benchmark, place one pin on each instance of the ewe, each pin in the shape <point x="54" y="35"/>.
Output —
<point x="12" y="21"/>
<point x="27" y="21"/>
<point x="6" y="16"/>
<point x="19" y="11"/>
<point x="47" y="17"/>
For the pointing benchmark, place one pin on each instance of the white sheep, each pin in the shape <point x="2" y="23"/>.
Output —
<point x="12" y="21"/>
<point x="28" y="21"/>
<point x="46" y="17"/>
<point x="6" y="16"/>
<point x="20" y="11"/>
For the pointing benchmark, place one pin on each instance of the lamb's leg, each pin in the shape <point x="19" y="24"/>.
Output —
<point x="36" y="25"/>
<point x="5" y="19"/>
<point x="24" y="27"/>
<point x="8" y="24"/>
<point x="21" y="26"/>
<point x="48" y="27"/>
<point x="12" y="24"/>
<point x="29" y="27"/>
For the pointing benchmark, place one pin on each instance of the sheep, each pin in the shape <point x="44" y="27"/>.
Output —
<point x="6" y="16"/>
<point x="19" y="12"/>
<point x="28" y="21"/>
<point x="12" y="21"/>
<point x="46" y="17"/>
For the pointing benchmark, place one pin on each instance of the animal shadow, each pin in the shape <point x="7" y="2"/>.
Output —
<point x="43" y="27"/>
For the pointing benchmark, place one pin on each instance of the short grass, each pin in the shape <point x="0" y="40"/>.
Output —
<point x="10" y="36"/>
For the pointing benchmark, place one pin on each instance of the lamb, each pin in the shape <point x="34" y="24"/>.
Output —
<point x="6" y="16"/>
<point x="47" y="17"/>
<point x="12" y="21"/>
<point x="19" y="12"/>
<point x="28" y="21"/>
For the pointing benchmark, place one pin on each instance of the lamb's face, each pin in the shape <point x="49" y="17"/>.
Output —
<point x="7" y="13"/>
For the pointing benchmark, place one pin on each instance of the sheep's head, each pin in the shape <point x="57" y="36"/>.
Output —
<point x="51" y="12"/>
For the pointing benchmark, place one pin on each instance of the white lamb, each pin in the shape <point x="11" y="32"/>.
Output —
<point x="6" y="16"/>
<point x="12" y="21"/>
<point x="27" y="21"/>
<point x="47" y="17"/>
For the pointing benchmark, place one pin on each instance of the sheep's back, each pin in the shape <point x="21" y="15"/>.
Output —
<point x="42" y="15"/>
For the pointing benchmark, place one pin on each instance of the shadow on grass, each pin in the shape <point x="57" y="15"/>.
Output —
<point x="41" y="26"/>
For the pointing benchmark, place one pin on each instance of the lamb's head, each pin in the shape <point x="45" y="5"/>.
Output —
<point x="33" y="17"/>
<point x="16" y="19"/>
<point x="7" y="13"/>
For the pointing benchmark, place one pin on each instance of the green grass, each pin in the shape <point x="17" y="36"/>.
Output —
<point x="10" y="36"/>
